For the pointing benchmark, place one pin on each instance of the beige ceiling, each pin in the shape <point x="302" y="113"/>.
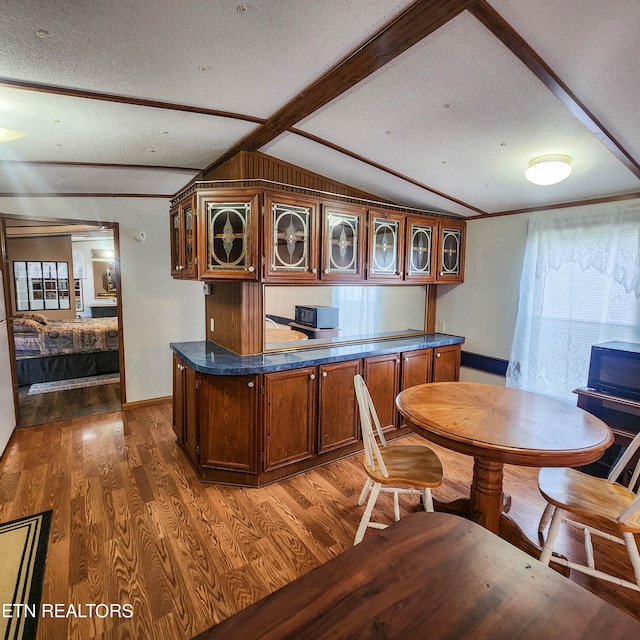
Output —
<point x="138" y="98"/>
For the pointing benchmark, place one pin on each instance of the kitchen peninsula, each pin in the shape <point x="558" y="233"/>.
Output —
<point x="251" y="420"/>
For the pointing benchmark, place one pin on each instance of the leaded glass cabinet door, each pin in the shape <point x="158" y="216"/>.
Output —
<point x="342" y="255"/>
<point x="189" y="239"/>
<point x="451" y="251"/>
<point x="422" y="241"/>
<point x="291" y="239"/>
<point x="175" y="231"/>
<point x="228" y="235"/>
<point x="386" y="240"/>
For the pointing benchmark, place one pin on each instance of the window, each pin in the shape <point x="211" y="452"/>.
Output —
<point x="580" y="286"/>
<point x="41" y="285"/>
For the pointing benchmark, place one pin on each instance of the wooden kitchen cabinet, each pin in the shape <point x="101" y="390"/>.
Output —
<point x="338" y="422"/>
<point x="385" y="244"/>
<point x="291" y="238"/>
<point x="416" y="368"/>
<point x="183" y="230"/>
<point x="451" y="246"/>
<point x="289" y="417"/>
<point x="185" y="407"/>
<point x="382" y="377"/>
<point x="421" y="250"/>
<point x="229" y="410"/>
<point x="343" y="243"/>
<point x="228" y="234"/>
<point x="446" y="363"/>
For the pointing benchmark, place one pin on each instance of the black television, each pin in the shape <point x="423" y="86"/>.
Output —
<point x="614" y="369"/>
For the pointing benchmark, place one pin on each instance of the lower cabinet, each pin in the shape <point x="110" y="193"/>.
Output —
<point x="228" y="410"/>
<point x="289" y="416"/>
<point x="338" y="421"/>
<point x="416" y="368"/>
<point x="446" y="363"/>
<point x="185" y="419"/>
<point x="382" y="377"/>
<point x="253" y="429"/>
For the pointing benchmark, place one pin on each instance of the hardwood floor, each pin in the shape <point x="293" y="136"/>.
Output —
<point x="65" y="405"/>
<point x="133" y="525"/>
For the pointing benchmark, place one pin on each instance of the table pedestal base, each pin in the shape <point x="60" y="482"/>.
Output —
<point x="488" y="506"/>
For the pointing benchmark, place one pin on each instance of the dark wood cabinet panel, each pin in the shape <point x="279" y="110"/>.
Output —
<point x="446" y="363"/>
<point x="385" y="246"/>
<point x="179" y="402"/>
<point x="229" y="422"/>
<point x="182" y="222"/>
<point x="421" y="250"/>
<point x="228" y="234"/>
<point x="289" y="416"/>
<point x="416" y="368"/>
<point x="338" y="423"/>
<point x="291" y="238"/>
<point x="451" y="246"/>
<point x="343" y="243"/>
<point x="382" y="376"/>
<point x="185" y="407"/>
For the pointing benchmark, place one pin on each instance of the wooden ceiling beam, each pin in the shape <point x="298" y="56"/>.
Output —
<point x="502" y="30"/>
<point x="417" y="22"/>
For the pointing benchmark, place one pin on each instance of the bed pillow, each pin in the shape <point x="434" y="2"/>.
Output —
<point x="37" y="317"/>
<point x="26" y="325"/>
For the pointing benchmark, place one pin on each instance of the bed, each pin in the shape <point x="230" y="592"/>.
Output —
<point x="48" y="350"/>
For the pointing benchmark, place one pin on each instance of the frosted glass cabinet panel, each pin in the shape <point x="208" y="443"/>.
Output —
<point x="451" y="251"/>
<point x="229" y="235"/>
<point x="343" y="245"/>
<point x="291" y="238"/>
<point x="386" y="246"/>
<point x="422" y="242"/>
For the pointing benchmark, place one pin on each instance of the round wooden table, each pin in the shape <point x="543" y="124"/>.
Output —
<point x="498" y="425"/>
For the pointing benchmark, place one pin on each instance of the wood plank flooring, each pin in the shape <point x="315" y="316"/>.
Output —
<point x="133" y="525"/>
<point x="65" y="405"/>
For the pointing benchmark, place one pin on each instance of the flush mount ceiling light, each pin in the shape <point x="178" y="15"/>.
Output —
<point x="547" y="170"/>
<point x="6" y="135"/>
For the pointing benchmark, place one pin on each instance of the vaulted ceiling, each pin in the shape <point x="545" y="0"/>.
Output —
<point x="438" y="105"/>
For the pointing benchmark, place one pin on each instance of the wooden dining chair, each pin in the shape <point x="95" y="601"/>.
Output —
<point x="417" y="469"/>
<point x="603" y="504"/>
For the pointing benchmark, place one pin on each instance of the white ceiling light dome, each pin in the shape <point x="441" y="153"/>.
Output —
<point x="550" y="169"/>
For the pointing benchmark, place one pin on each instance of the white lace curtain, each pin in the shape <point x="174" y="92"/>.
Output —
<point x="580" y="286"/>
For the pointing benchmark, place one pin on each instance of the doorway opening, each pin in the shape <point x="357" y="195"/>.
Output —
<point x="64" y="318"/>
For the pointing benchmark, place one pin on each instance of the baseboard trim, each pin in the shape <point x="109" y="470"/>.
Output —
<point x="497" y="366"/>
<point x="139" y="404"/>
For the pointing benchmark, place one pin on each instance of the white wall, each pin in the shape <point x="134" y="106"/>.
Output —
<point x="484" y="308"/>
<point x="157" y="310"/>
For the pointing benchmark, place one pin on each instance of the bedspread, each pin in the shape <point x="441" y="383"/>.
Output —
<point x="58" y="337"/>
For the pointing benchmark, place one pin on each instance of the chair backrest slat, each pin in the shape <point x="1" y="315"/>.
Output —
<point x="619" y="467"/>
<point x="369" y="419"/>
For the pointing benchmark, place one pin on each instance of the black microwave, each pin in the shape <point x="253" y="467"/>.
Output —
<point x="318" y="317"/>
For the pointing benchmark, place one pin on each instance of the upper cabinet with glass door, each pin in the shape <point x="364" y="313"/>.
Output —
<point x="228" y="234"/>
<point x="183" y="239"/>
<point x="422" y="244"/>
<point x="451" y="251"/>
<point x="291" y="238"/>
<point x="386" y="246"/>
<point x="342" y="243"/>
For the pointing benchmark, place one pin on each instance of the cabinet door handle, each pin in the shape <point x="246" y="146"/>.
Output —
<point x="314" y="270"/>
<point x="437" y="355"/>
<point x="326" y="270"/>
<point x="250" y="385"/>
<point x="252" y="269"/>
<point x="312" y="376"/>
<point x="324" y="374"/>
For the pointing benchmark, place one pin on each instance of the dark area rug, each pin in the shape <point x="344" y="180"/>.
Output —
<point x="23" y="553"/>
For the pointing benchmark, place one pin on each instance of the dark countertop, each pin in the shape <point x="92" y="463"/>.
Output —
<point x="207" y="357"/>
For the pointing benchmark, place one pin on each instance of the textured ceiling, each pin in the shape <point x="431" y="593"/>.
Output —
<point x="137" y="98"/>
